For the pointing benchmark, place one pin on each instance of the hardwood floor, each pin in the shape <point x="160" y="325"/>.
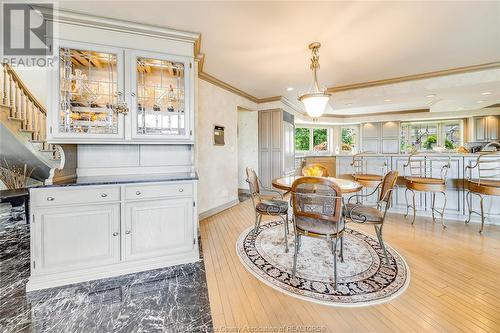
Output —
<point x="454" y="287"/>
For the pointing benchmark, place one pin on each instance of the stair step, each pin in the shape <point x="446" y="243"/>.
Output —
<point x="15" y="119"/>
<point x="6" y="106"/>
<point x="48" y="150"/>
<point x="37" y="141"/>
<point x="26" y="131"/>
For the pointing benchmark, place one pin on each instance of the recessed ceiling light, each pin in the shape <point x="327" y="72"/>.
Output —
<point x="348" y="104"/>
<point x="289" y="89"/>
<point x="431" y="96"/>
<point x="486" y="93"/>
<point x="387" y="100"/>
<point x="479" y="101"/>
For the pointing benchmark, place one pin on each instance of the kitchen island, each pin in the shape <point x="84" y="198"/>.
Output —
<point x="456" y="206"/>
<point x="97" y="227"/>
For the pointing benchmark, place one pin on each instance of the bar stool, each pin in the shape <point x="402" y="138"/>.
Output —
<point x="426" y="173"/>
<point x="487" y="182"/>
<point x="363" y="165"/>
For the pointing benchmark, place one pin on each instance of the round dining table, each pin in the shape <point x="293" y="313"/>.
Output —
<point x="346" y="185"/>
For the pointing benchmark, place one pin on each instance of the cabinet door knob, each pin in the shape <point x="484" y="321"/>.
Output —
<point x="132" y="94"/>
<point x="181" y="190"/>
<point x="104" y="195"/>
<point x="137" y="192"/>
<point x="127" y="232"/>
<point x="50" y="199"/>
<point x="115" y="234"/>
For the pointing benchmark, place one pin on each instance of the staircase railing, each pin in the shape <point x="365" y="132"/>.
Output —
<point x="24" y="107"/>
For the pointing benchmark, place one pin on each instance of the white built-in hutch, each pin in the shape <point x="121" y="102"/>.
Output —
<point x="121" y="112"/>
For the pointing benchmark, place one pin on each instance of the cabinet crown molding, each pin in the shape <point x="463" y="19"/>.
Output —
<point x="75" y="18"/>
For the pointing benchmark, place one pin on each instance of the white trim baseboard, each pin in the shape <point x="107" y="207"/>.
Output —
<point x="218" y="209"/>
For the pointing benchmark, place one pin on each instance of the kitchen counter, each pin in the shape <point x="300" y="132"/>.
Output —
<point x="391" y="155"/>
<point x="128" y="179"/>
<point x="339" y="166"/>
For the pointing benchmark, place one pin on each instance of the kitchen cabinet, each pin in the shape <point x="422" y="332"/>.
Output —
<point x="486" y="128"/>
<point x="87" y="232"/>
<point x="158" y="227"/>
<point x="380" y="137"/>
<point x="105" y="94"/>
<point x="276" y="145"/>
<point x="73" y="238"/>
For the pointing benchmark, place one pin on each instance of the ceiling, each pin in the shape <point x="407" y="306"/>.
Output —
<point x="261" y="47"/>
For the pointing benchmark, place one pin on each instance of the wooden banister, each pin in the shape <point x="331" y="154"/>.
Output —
<point x="24" y="89"/>
<point x="23" y="105"/>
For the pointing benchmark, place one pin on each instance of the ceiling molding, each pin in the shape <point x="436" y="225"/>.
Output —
<point x="221" y="84"/>
<point x="375" y="114"/>
<point x="421" y="76"/>
<point x="75" y="18"/>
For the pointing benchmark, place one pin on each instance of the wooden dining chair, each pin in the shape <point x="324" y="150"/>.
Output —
<point x="484" y="182"/>
<point x="315" y="170"/>
<point x="317" y="212"/>
<point x="375" y="215"/>
<point x="275" y="206"/>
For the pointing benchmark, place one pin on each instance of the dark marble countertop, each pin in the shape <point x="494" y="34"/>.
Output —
<point x="127" y="179"/>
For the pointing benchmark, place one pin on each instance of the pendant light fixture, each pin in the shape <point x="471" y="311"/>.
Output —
<point x="316" y="100"/>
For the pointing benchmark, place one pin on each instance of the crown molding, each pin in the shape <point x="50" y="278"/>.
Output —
<point x="221" y="84"/>
<point x="75" y="18"/>
<point x="388" y="113"/>
<point x="414" y="77"/>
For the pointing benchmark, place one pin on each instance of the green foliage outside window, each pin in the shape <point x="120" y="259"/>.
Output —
<point x="431" y="140"/>
<point x="302" y="137"/>
<point x="347" y="135"/>
<point x="320" y="139"/>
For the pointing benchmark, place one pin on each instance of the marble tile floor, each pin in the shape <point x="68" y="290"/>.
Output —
<point x="173" y="299"/>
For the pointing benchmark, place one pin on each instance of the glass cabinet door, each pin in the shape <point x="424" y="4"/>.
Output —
<point x="90" y="94"/>
<point x="160" y="97"/>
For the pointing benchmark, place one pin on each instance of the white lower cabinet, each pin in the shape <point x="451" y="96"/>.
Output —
<point x="81" y="233"/>
<point x="158" y="227"/>
<point x="71" y="238"/>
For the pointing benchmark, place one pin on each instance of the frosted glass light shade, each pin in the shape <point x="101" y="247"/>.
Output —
<point x="315" y="104"/>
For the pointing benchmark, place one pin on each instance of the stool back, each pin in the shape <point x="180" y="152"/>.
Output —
<point x="486" y="167"/>
<point x="367" y="163"/>
<point x="428" y="165"/>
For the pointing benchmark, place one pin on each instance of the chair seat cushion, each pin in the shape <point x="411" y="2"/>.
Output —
<point x="317" y="226"/>
<point x="367" y="177"/>
<point x="486" y="182"/>
<point x="425" y="180"/>
<point x="359" y="212"/>
<point x="272" y="207"/>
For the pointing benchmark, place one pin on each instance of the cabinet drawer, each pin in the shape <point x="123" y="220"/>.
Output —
<point x="74" y="195"/>
<point x="158" y="190"/>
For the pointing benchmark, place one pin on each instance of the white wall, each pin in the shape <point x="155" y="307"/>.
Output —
<point x="217" y="165"/>
<point x="35" y="78"/>
<point x="248" y="144"/>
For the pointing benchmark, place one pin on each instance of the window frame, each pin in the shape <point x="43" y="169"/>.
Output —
<point x="440" y="131"/>
<point x="356" y="138"/>
<point x="311" y="140"/>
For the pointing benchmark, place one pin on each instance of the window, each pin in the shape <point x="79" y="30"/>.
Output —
<point x="348" y="138"/>
<point x="311" y="139"/>
<point x="302" y="139"/>
<point x="427" y="135"/>
<point x="452" y="135"/>
<point x="320" y="139"/>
